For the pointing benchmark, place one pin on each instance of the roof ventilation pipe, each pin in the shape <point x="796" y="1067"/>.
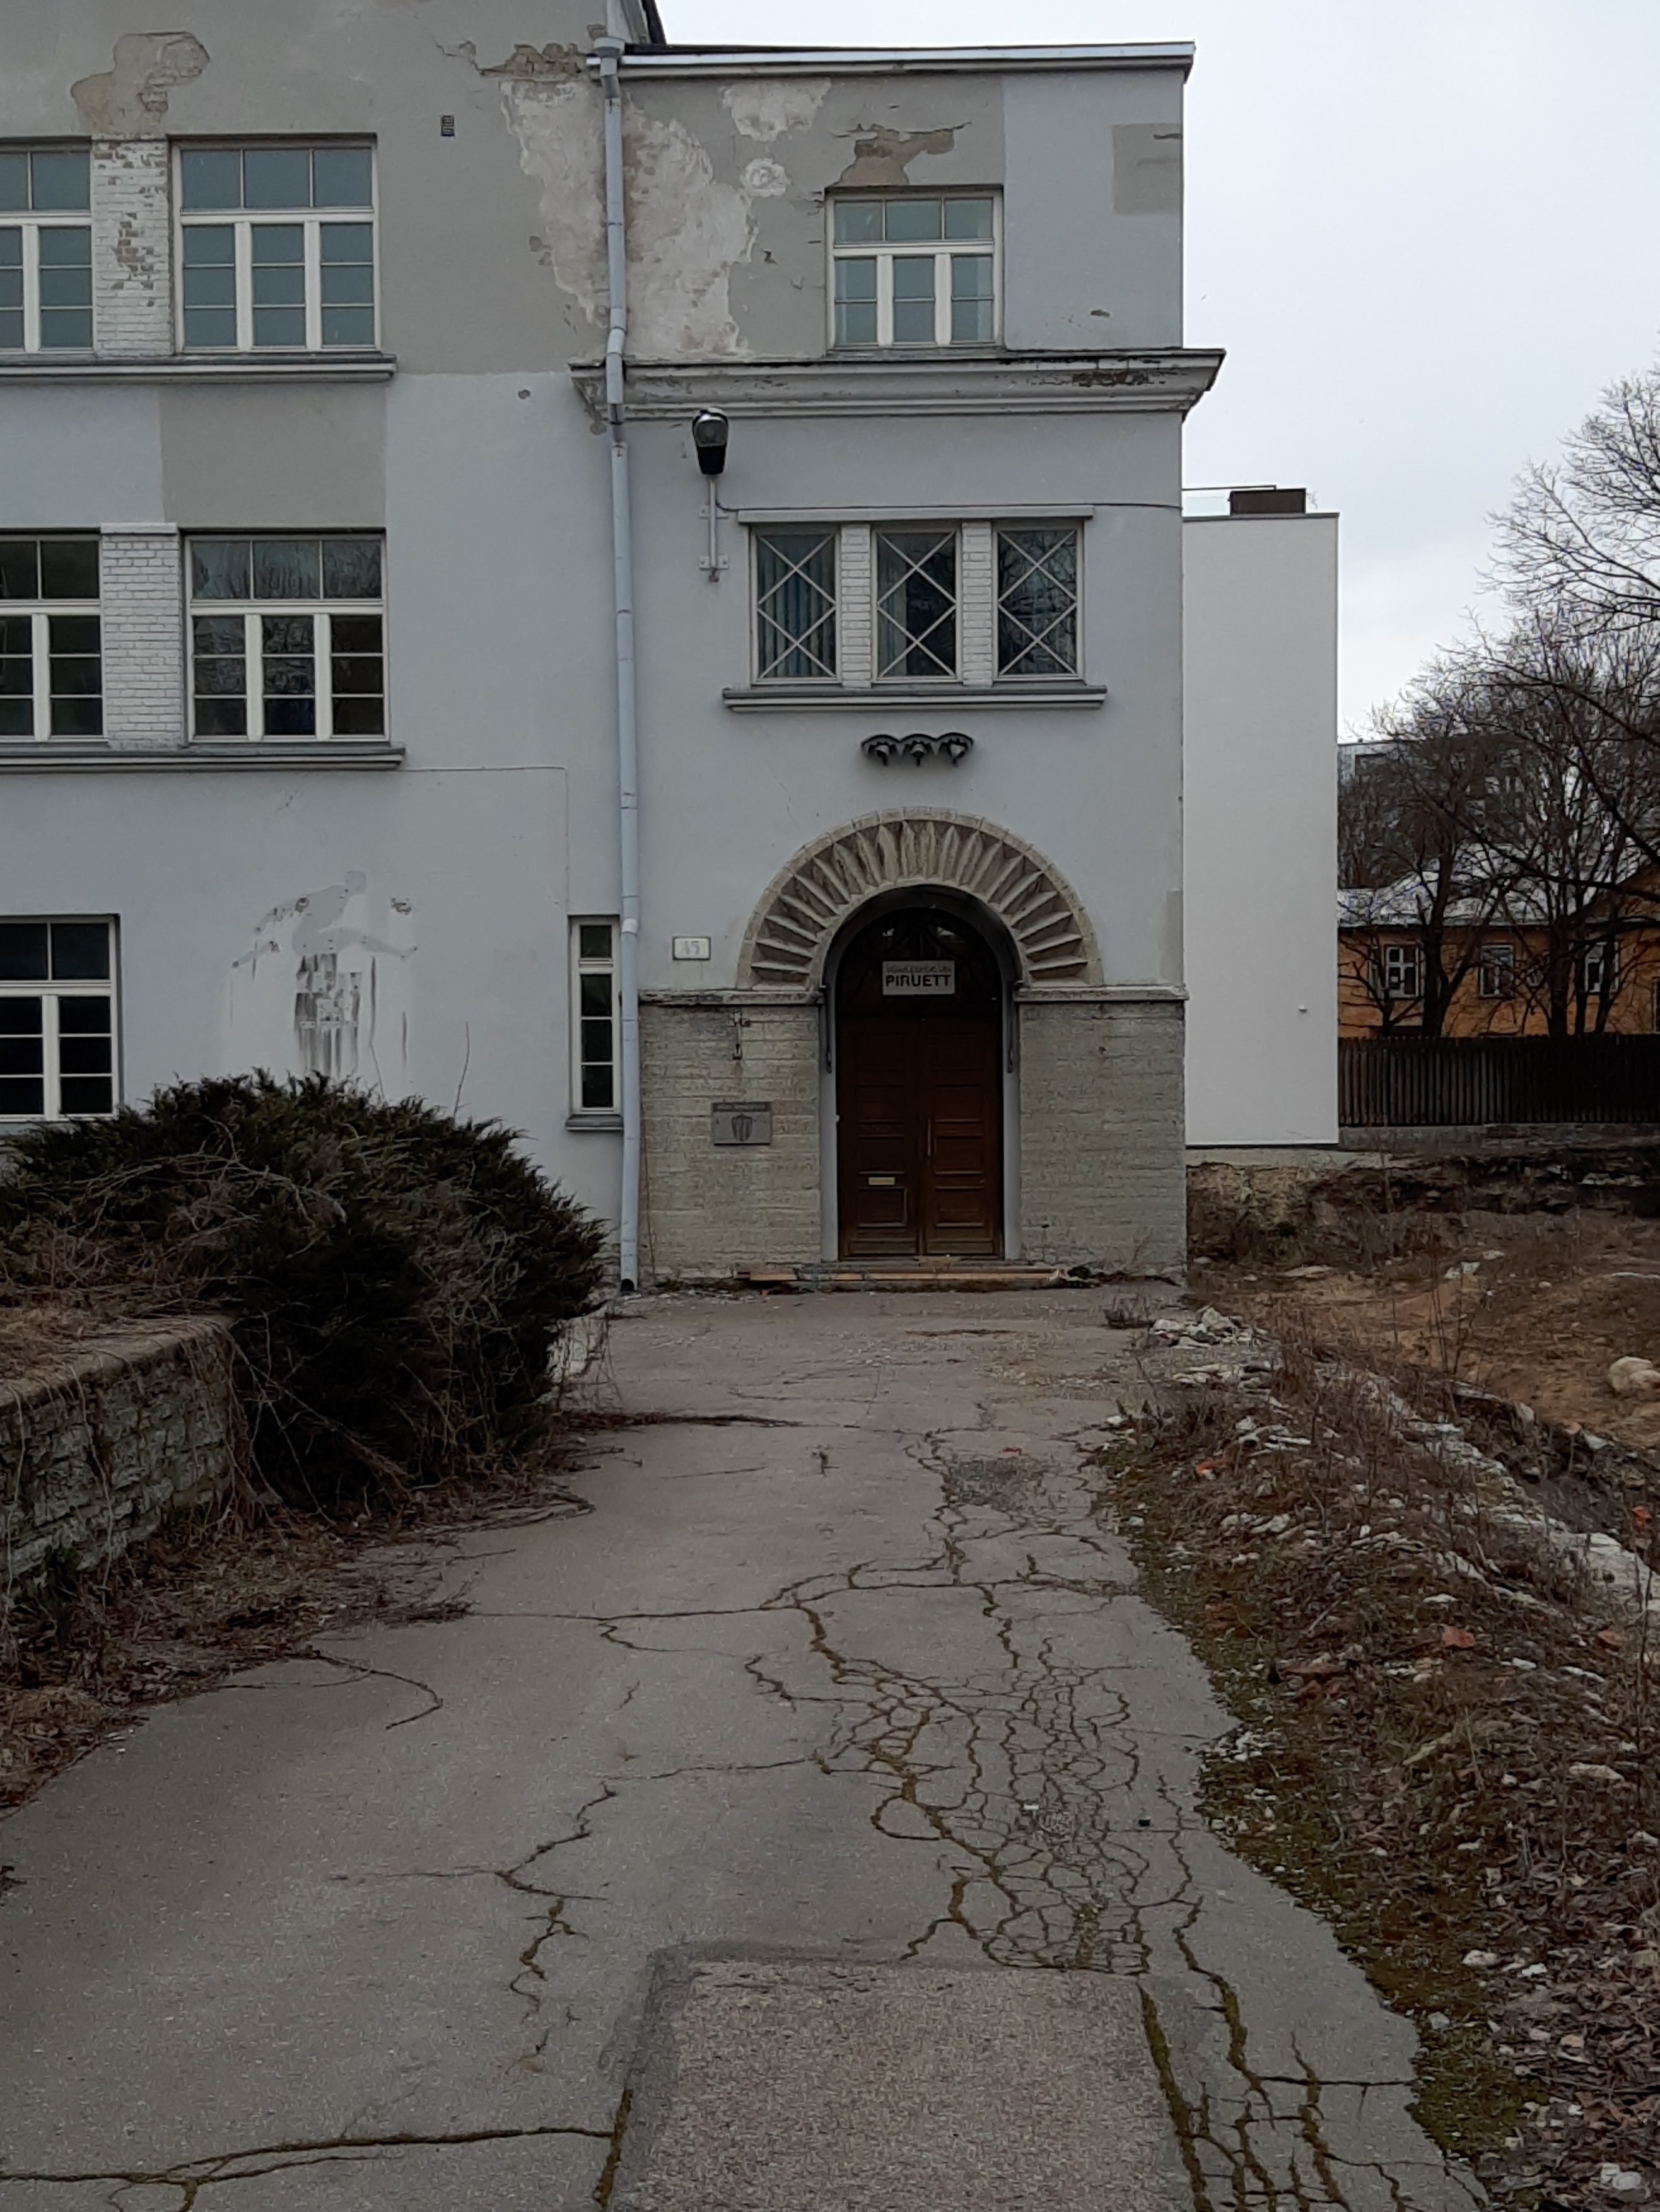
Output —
<point x="609" y="53"/>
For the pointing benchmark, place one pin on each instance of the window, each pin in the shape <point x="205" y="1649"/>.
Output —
<point x="1037" y="602"/>
<point x="1402" y="973"/>
<point x="57" y="1020"/>
<point x="973" y="603"/>
<point x="915" y="603"/>
<point x="1495" y="972"/>
<point x="1599" y="969"/>
<point x="52" y="678"/>
<point x="46" y="255"/>
<point x="795" y="604"/>
<point x="593" y="1017"/>
<point x="287" y="637"/>
<point x="266" y="260"/>
<point x="919" y="270"/>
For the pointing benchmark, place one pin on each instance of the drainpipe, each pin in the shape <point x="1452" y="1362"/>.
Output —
<point x="609" y="49"/>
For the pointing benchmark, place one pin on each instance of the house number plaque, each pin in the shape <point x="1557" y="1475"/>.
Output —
<point x="740" y="1121"/>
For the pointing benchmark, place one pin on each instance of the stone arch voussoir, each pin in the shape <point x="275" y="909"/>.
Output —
<point x="808" y="902"/>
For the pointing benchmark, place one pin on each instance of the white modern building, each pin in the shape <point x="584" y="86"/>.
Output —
<point x="792" y="854"/>
<point x="1260" y="822"/>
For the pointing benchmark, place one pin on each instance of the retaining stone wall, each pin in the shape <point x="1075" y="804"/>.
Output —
<point x="97" y="1447"/>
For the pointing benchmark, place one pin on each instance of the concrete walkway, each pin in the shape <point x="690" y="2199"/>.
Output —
<point x="714" y="1860"/>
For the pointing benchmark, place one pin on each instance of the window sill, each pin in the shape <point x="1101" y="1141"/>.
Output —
<point x="80" y="755"/>
<point x="610" y="1124"/>
<point x="199" y="368"/>
<point x="803" y="698"/>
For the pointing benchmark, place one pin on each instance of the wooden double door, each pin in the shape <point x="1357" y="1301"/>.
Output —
<point x="919" y="1029"/>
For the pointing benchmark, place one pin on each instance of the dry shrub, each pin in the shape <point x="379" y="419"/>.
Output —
<point x="397" y="1277"/>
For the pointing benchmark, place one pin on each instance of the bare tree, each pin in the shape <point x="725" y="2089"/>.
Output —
<point x="1405" y="817"/>
<point x="1581" y="541"/>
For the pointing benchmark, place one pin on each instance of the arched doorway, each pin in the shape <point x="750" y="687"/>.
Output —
<point x="919" y="1015"/>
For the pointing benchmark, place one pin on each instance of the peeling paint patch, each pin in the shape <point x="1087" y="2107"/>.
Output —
<point x="558" y="130"/>
<point x="334" y="1002"/>
<point x="765" y="179"/>
<point x="1146" y="169"/>
<point x="130" y="100"/>
<point x="766" y="106"/>
<point x="686" y="230"/>
<point x="535" y="64"/>
<point x="881" y="157"/>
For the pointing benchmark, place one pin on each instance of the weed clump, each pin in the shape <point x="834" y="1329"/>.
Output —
<point x="397" y="1278"/>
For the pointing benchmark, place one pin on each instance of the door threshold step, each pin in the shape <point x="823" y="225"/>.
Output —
<point x="944" y="1275"/>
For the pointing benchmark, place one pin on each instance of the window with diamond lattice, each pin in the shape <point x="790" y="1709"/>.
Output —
<point x="916" y="603"/>
<point x="1037" y="602"/>
<point x="795" y="605"/>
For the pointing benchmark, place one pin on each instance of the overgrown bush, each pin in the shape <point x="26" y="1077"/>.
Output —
<point x="397" y="1278"/>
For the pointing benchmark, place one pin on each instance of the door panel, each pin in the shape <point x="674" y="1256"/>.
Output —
<point x="876" y="1148"/>
<point x="960" y="1094"/>
<point x="919" y="1150"/>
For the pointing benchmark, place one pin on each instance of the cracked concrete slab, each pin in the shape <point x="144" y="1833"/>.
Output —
<point x="863" y="1677"/>
<point x="764" y="2087"/>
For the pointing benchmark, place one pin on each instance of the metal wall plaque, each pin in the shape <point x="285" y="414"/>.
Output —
<point x="740" y="1121"/>
<point x="919" y="979"/>
<point x="689" y="948"/>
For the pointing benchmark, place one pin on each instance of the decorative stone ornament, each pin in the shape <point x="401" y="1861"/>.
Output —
<point x="828" y="880"/>
<point x="954" y="744"/>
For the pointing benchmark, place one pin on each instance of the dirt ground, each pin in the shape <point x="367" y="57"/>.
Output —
<point x="1534" y="1307"/>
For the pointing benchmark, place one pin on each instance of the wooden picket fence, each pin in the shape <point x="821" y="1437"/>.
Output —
<point x="1415" y="1082"/>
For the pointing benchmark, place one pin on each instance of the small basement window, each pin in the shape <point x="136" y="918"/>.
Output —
<point x="57" y="1020"/>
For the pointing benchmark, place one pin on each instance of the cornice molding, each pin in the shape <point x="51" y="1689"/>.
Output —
<point x="1167" y="382"/>
<point x="200" y="368"/>
<point x="72" y="756"/>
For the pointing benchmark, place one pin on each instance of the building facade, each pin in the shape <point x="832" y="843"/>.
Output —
<point x="1259" y="820"/>
<point x="321" y="662"/>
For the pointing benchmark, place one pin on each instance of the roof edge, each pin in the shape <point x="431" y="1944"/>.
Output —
<point x="670" y="61"/>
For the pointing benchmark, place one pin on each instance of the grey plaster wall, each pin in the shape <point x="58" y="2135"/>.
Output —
<point x="453" y="876"/>
<point x="1096" y="790"/>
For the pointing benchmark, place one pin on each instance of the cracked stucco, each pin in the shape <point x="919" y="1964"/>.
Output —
<point x="130" y="99"/>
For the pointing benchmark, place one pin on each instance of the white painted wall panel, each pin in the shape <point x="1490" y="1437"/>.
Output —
<point x="1260" y="828"/>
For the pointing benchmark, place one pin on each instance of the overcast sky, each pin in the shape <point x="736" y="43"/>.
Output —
<point x="1428" y="232"/>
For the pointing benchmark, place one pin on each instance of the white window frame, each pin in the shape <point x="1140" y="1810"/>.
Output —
<point x="759" y="531"/>
<point x="1398" y="961"/>
<point x="252" y="612"/>
<point x="1014" y="677"/>
<point x="858" y="596"/>
<point x="884" y="253"/>
<point x="39" y="613"/>
<point x="50" y="990"/>
<point x="30" y="222"/>
<point x="583" y="964"/>
<point x="242" y="222"/>
<point x="1591" y="963"/>
<point x="1493" y="963"/>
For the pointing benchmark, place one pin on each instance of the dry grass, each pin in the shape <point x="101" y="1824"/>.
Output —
<point x="213" y="1592"/>
<point x="1419" y="1673"/>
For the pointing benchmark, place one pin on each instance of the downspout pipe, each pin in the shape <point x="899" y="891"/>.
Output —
<point x="609" y="51"/>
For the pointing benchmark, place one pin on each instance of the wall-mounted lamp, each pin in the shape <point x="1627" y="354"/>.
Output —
<point x="710" y="433"/>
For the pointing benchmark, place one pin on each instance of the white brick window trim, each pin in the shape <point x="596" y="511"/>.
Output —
<point x="142" y="581"/>
<point x="132" y="248"/>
